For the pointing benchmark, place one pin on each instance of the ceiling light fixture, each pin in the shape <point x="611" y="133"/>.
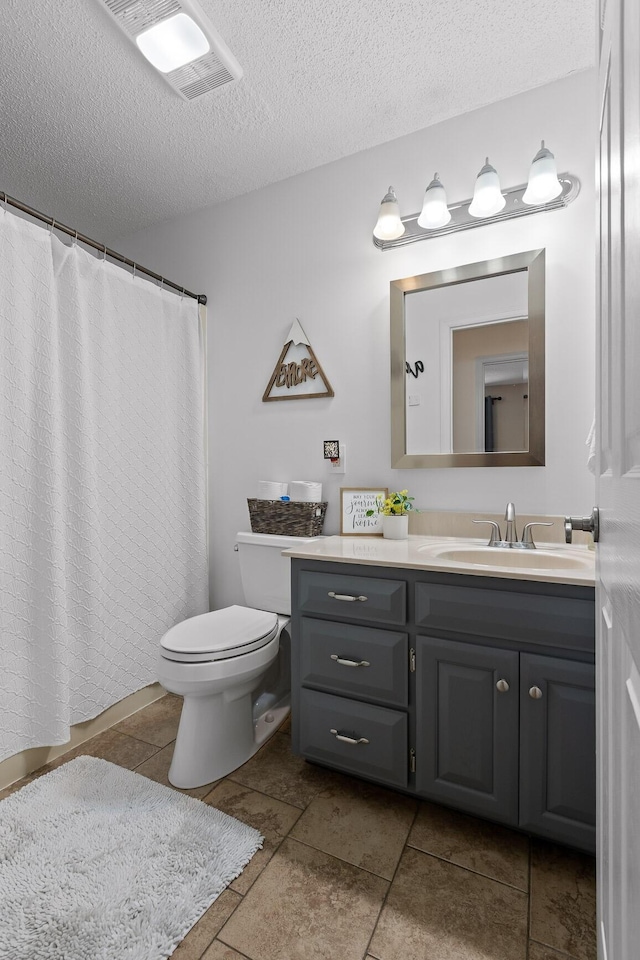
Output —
<point x="176" y="37"/>
<point x="545" y="191"/>
<point x="172" y="43"/>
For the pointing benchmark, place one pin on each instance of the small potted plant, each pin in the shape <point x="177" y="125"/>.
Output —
<point x="394" y="509"/>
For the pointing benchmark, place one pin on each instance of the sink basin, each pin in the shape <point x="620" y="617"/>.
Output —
<point x="503" y="557"/>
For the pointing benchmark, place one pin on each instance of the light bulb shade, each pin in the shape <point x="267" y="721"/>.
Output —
<point x="389" y="226"/>
<point x="487" y="196"/>
<point x="173" y="42"/>
<point x="435" y="212"/>
<point x="543" y="184"/>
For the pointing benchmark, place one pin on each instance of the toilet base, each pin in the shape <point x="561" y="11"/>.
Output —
<point x="266" y="725"/>
<point x="197" y="759"/>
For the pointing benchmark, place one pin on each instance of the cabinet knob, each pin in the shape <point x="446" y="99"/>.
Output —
<point x="502" y="686"/>
<point x="535" y="693"/>
<point x="353" y="741"/>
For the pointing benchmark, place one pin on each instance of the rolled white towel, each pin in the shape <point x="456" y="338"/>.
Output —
<point x="307" y="490"/>
<point x="271" y="489"/>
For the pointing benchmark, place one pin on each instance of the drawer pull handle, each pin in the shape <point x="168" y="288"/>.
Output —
<point x="350" y="740"/>
<point x="502" y="686"/>
<point x="344" y="596"/>
<point x="535" y="693"/>
<point x="349" y="663"/>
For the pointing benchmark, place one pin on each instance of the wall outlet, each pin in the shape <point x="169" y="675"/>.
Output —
<point x="339" y="466"/>
<point x="414" y="399"/>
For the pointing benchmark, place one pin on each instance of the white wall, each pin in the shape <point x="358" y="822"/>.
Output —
<point x="302" y="248"/>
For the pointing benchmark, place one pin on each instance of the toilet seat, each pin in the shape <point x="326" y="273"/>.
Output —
<point x="219" y="635"/>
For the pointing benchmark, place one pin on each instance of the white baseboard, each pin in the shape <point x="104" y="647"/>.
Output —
<point x="24" y="763"/>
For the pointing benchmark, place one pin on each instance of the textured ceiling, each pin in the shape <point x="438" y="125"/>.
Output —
<point x="91" y="133"/>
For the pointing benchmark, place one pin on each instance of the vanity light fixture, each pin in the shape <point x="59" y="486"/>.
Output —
<point x="544" y="191"/>
<point x="176" y="37"/>
<point x="543" y="178"/>
<point x="389" y="226"/>
<point x="487" y="196"/>
<point x="435" y="212"/>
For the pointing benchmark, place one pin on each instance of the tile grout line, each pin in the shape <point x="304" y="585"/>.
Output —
<point x="530" y="875"/>
<point x="225" y="944"/>
<point x="561" y="953"/>
<point x="372" y="873"/>
<point x="277" y="844"/>
<point x="269" y="795"/>
<point x="201" y="955"/>
<point x="386" y="896"/>
<point x="140" y="740"/>
<point x="476" y="873"/>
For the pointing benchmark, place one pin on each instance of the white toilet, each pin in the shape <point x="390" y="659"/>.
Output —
<point x="232" y="666"/>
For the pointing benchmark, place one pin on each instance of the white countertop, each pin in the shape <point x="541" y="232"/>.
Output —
<point x="425" y="553"/>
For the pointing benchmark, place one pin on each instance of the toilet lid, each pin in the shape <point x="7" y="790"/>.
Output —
<point x="229" y="632"/>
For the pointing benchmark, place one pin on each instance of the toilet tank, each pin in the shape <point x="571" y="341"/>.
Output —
<point x="266" y="575"/>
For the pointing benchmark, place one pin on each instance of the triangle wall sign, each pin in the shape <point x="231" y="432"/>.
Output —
<point x="297" y="375"/>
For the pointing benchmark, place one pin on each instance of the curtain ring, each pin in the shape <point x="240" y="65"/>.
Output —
<point x="53" y="225"/>
<point x="6" y="202"/>
<point x="134" y="272"/>
<point x="161" y="283"/>
<point x="182" y="294"/>
<point x="104" y="253"/>
<point x="75" y="239"/>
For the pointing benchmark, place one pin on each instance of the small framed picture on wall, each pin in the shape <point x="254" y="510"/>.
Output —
<point x="355" y="504"/>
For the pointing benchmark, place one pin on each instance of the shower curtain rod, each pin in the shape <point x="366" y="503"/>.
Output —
<point x="4" y="198"/>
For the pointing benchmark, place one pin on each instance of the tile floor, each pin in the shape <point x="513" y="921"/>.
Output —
<point x="350" y="871"/>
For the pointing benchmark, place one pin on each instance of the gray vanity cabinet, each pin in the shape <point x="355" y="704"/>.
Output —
<point x="476" y="692"/>
<point x="467" y="726"/>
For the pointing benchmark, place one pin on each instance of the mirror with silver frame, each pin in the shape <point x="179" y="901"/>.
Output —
<point x="467" y="365"/>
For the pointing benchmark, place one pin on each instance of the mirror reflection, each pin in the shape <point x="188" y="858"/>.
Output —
<point x="468" y="365"/>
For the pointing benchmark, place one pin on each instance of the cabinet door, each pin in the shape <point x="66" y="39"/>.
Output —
<point x="557" y="749"/>
<point x="467" y="726"/>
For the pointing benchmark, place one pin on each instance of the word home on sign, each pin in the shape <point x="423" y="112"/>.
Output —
<point x="355" y="505"/>
<point x="292" y="374"/>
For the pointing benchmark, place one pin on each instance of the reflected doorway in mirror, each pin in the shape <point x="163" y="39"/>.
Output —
<point x="479" y="331"/>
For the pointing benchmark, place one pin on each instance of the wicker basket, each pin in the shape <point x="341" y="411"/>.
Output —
<point x="293" y="518"/>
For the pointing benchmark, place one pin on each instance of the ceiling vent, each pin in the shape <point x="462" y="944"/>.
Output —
<point x="212" y="66"/>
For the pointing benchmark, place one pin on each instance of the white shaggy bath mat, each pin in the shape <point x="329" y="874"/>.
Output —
<point x="98" y="863"/>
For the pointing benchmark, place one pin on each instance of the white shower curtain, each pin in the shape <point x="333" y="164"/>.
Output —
<point x="102" y="481"/>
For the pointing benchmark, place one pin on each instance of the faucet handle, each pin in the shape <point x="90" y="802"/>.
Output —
<point x="527" y="539"/>
<point x="496" y="536"/>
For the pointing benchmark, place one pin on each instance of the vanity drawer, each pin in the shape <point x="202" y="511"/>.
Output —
<point x="384" y="754"/>
<point x="330" y="651"/>
<point x="507" y="615"/>
<point x="357" y="598"/>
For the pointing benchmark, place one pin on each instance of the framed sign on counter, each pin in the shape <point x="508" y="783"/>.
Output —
<point x="355" y="503"/>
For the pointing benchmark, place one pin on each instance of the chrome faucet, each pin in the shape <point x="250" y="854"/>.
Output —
<point x="511" y="534"/>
